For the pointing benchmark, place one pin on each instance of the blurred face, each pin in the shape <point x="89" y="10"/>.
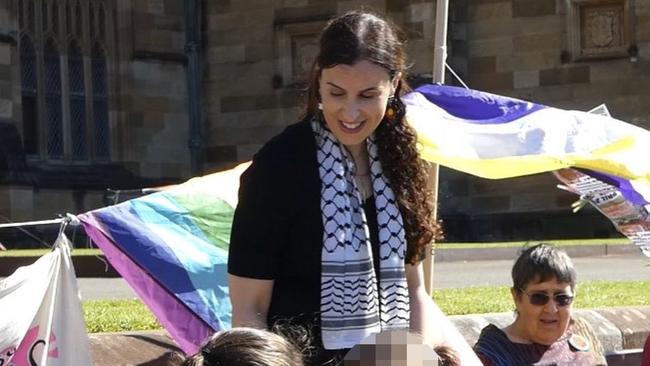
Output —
<point x="543" y="323"/>
<point x="354" y="99"/>
<point x="391" y="348"/>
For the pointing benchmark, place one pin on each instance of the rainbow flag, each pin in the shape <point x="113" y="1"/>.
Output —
<point x="171" y="246"/>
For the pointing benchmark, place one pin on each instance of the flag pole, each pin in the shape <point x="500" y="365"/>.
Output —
<point x="439" y="61"/>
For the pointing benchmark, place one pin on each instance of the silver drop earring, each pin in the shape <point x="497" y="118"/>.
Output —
<point x="320" y="106"/>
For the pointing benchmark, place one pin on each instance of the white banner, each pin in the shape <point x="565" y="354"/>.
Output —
<point x="41" y="320"/>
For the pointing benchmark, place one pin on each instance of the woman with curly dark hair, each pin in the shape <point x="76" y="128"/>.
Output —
<point x="335" y="215"/>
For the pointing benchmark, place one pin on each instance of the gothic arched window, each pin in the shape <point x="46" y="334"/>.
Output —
<point x="31" y="16"/>
<point x="64" y="58"/>
<point x="53" y="110"/>
<point x="77" y="101"/>
<point x="102" y="22"/>
<point x="28" y="95"/>
<point x="45" y="15"/>
<point x="55" y="17"/>
<point x="100" y="103"/>
<point x="21" y="14"/>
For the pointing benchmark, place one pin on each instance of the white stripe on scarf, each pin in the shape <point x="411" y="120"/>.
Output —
<point x="351" y="306"/>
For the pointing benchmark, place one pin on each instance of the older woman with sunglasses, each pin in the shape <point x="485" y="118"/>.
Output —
<point x="543" y="333"/>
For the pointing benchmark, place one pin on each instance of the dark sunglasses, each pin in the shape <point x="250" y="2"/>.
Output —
<point x="542" y="298"/>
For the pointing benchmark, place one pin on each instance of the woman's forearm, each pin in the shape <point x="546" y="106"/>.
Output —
<point x="249" y="316"/>
<point x="250" y="299"/>
<point x="422" y="321"/>
<point x="452" y="336"/>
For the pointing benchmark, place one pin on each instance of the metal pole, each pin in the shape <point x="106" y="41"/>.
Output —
<point x="192" y="10"/>
<point x="32" y="223"/>
<point x="440" y="46"/>
<point x="439" y="59"/>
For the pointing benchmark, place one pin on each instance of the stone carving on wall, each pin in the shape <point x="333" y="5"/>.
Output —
<point x="598" y="28"/>
<point x="156" y="7"/>
<point x="296" y="49"/>
<point x="303" y="53"/>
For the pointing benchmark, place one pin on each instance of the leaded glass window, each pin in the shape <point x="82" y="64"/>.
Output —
<point x="69" y="16"/>
<point x="53" y="100"/>
<point x="77" y="101"/>
<point x="91" y="19"/>
<point x="21" y="14"/>
<point x="78" y="20"/>
<point x="100" y="103"/>
<point x="28" y="94"/>
<point x="65" y="79"/>
<point x="31" y="16"/>
<point x="102" y="22"/>
<point x="45" y="15"/>
<point x="55" y="17"/>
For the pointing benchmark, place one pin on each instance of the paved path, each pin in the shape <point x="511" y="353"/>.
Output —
<point x="494" y="273"/>
<point x="446" y="274"/>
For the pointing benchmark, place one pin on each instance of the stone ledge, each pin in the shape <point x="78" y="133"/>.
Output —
<point x="131" y="348"/>
<point x="616" y="328"/>
<point x="625" y="357"/>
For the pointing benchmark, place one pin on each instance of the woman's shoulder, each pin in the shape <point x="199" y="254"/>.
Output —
<point x="285" y="160"/>
<point x="490" y="334"/>
<point x="491" y="344"/>
<point x="294" y="141"/>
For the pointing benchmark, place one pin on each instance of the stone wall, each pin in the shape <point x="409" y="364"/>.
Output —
<point x="24" y="203"/>
<point x="147" y="114"/>
<point x="9" y="70"/>
<point x="256" y="60"/>
<point x="525" y="49"/>
<point x="152" y="97"/>
<point x="7" y="54"/>
<point x="257" y="55"/>
<point x="19" y="202"/>
<point x="146" y="76"/>
<point x="524" y="208"/>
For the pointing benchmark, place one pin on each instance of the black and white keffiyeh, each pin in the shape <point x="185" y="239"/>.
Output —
<point x="353" y="306"/>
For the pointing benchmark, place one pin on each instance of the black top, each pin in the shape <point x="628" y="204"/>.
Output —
<point x="277" y="231"/>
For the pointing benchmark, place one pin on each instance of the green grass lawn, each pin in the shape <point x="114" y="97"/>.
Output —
<point x="124" y="315"/>
<point x="597" y="294"/>
<point x="118" y="316"/>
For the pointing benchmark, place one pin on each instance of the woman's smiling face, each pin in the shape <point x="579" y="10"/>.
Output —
<point x="354" y="99"/>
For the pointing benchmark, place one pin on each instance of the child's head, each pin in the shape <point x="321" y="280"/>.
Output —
<point x="397" y="348"/>
<point x="246" y="347"/>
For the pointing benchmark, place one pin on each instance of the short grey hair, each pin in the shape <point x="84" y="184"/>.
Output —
<point x="540" y="263"/>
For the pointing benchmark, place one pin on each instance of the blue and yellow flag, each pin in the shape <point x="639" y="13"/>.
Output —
<point x="600" y="158"/>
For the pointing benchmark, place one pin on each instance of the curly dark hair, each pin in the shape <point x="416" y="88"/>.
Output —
<point x="363" y="35"/>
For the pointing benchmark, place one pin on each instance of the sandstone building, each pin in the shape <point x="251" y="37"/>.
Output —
<point x="94" y="93"/>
